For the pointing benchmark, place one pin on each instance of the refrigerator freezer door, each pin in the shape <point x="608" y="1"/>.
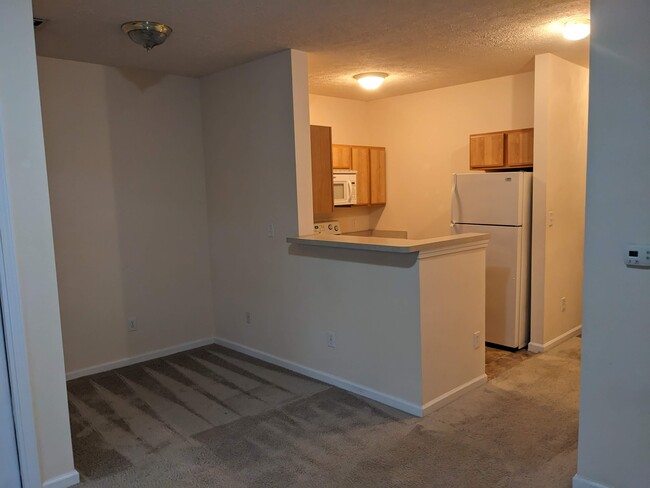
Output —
<point x="506" y="285"/>
<point x="488" y="198"/>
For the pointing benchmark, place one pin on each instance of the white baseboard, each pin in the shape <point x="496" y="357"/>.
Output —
<point x="330" y="379"/>
<point x="580" y="482"/>
<point x="120" y="363"/>
<point x="451" y="395"/>
<point x="63" y="481"/>
<point x="393" y="401"/>
<point x="537" y="347"/>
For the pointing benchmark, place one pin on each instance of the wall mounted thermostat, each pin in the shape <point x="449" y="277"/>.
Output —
<point x="637" y="255"/>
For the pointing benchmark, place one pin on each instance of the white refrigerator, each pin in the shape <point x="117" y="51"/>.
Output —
<point x="499" y="204"/>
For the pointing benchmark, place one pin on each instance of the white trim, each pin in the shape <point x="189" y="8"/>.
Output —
<point x="390" y="400"/>
<point x="537" y="347"/>
<point x="63" y="481"/>
<point x="451" y="395"/>
<point x="330" y="379"/>
<point x="453" y="248"/>
<point x="580" y="482"/>
<point x="120" y="363"/>
<point x="15" y="341"/>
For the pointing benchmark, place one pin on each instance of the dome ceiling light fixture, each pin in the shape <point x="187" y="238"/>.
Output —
<point x="574" y="30"/>
<point x="370" y="81"/>
<point x="146" y="33"/>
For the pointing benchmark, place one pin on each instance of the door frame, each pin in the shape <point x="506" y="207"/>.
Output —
<point x="15" y="340"/>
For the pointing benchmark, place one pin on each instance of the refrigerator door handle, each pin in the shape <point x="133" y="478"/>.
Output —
<point x="454" y="200"/>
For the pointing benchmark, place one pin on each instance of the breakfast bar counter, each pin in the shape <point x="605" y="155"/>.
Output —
<point x="388" y="244"/>
<point x="409" y="314"/>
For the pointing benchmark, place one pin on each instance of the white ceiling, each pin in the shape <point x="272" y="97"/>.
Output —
<point x="422" y="44"/>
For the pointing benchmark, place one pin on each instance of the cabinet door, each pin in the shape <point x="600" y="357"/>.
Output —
<point x="341" y="156"/>
<point x="519" y="145"/>
<point x="321" y="169"/>
<point x="361" y="163"/>
<point x="486" y="150"/>
<point x="377" y="176"/>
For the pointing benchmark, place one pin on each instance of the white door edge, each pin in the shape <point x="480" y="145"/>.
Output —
<point x="15" y="342"/>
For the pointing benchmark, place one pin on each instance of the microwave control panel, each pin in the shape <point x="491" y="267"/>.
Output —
<point x="331" y="227"/>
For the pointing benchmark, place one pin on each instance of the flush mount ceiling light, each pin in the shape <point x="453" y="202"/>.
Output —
<point x="574" y="30"/>
<point x="147" y="34"/>
<point x="370" y="81"/>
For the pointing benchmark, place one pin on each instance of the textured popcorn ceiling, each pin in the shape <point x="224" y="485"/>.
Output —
<point x="422" y="44"/>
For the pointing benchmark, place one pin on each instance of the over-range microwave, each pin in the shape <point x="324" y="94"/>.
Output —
<point x="345" y="187"/>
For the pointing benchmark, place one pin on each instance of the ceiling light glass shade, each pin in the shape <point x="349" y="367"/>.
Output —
<point x="370" y="81"/>
<point x="576" y="29"/>
<point x="147" y="34"/>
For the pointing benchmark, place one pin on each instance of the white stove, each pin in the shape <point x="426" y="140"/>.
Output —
<point x="331" y="227"/>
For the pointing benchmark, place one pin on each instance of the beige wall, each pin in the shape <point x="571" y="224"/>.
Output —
<point x="614" y="446"/>
<point x="561" y="106"/>
<point x="126" y="175"/>
<point x="302" y="143"/>
<point x="452" y="304"/>
<point x="347" y="118"/>
<point x="26" y="178"/>
<point x="426" y="139"/>
<point x="295" y="298"/>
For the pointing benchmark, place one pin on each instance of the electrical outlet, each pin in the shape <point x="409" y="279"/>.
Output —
<point x="477" y="339"/>
<point x="270" y="231"/>
<point x="551" y="218"/>
<point x="331" y="339"/>
<point x="563" y="304"/>
<point x="249" y="318"/>
<point x="132" y="324"/>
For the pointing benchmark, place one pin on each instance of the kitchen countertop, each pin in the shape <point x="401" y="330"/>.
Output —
<point x="398" y="234"/>
<point x="387" y="244"/>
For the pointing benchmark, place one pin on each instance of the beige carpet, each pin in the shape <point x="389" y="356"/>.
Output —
<point x="214" y="418"/>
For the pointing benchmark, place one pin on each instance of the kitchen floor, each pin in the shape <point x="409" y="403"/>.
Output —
<point x="498" y="361"/>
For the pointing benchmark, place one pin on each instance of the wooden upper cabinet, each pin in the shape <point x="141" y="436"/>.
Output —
<point x="499" y="150"/>
<point x="519" y="144"/>
<point x="377" y="176"/>
<point x="321" y="169"/>
<point x="486" y="150"/>
<point x="361" y="163"/>
<point x="370" y="164"/>
<point x="341" y="156"/>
